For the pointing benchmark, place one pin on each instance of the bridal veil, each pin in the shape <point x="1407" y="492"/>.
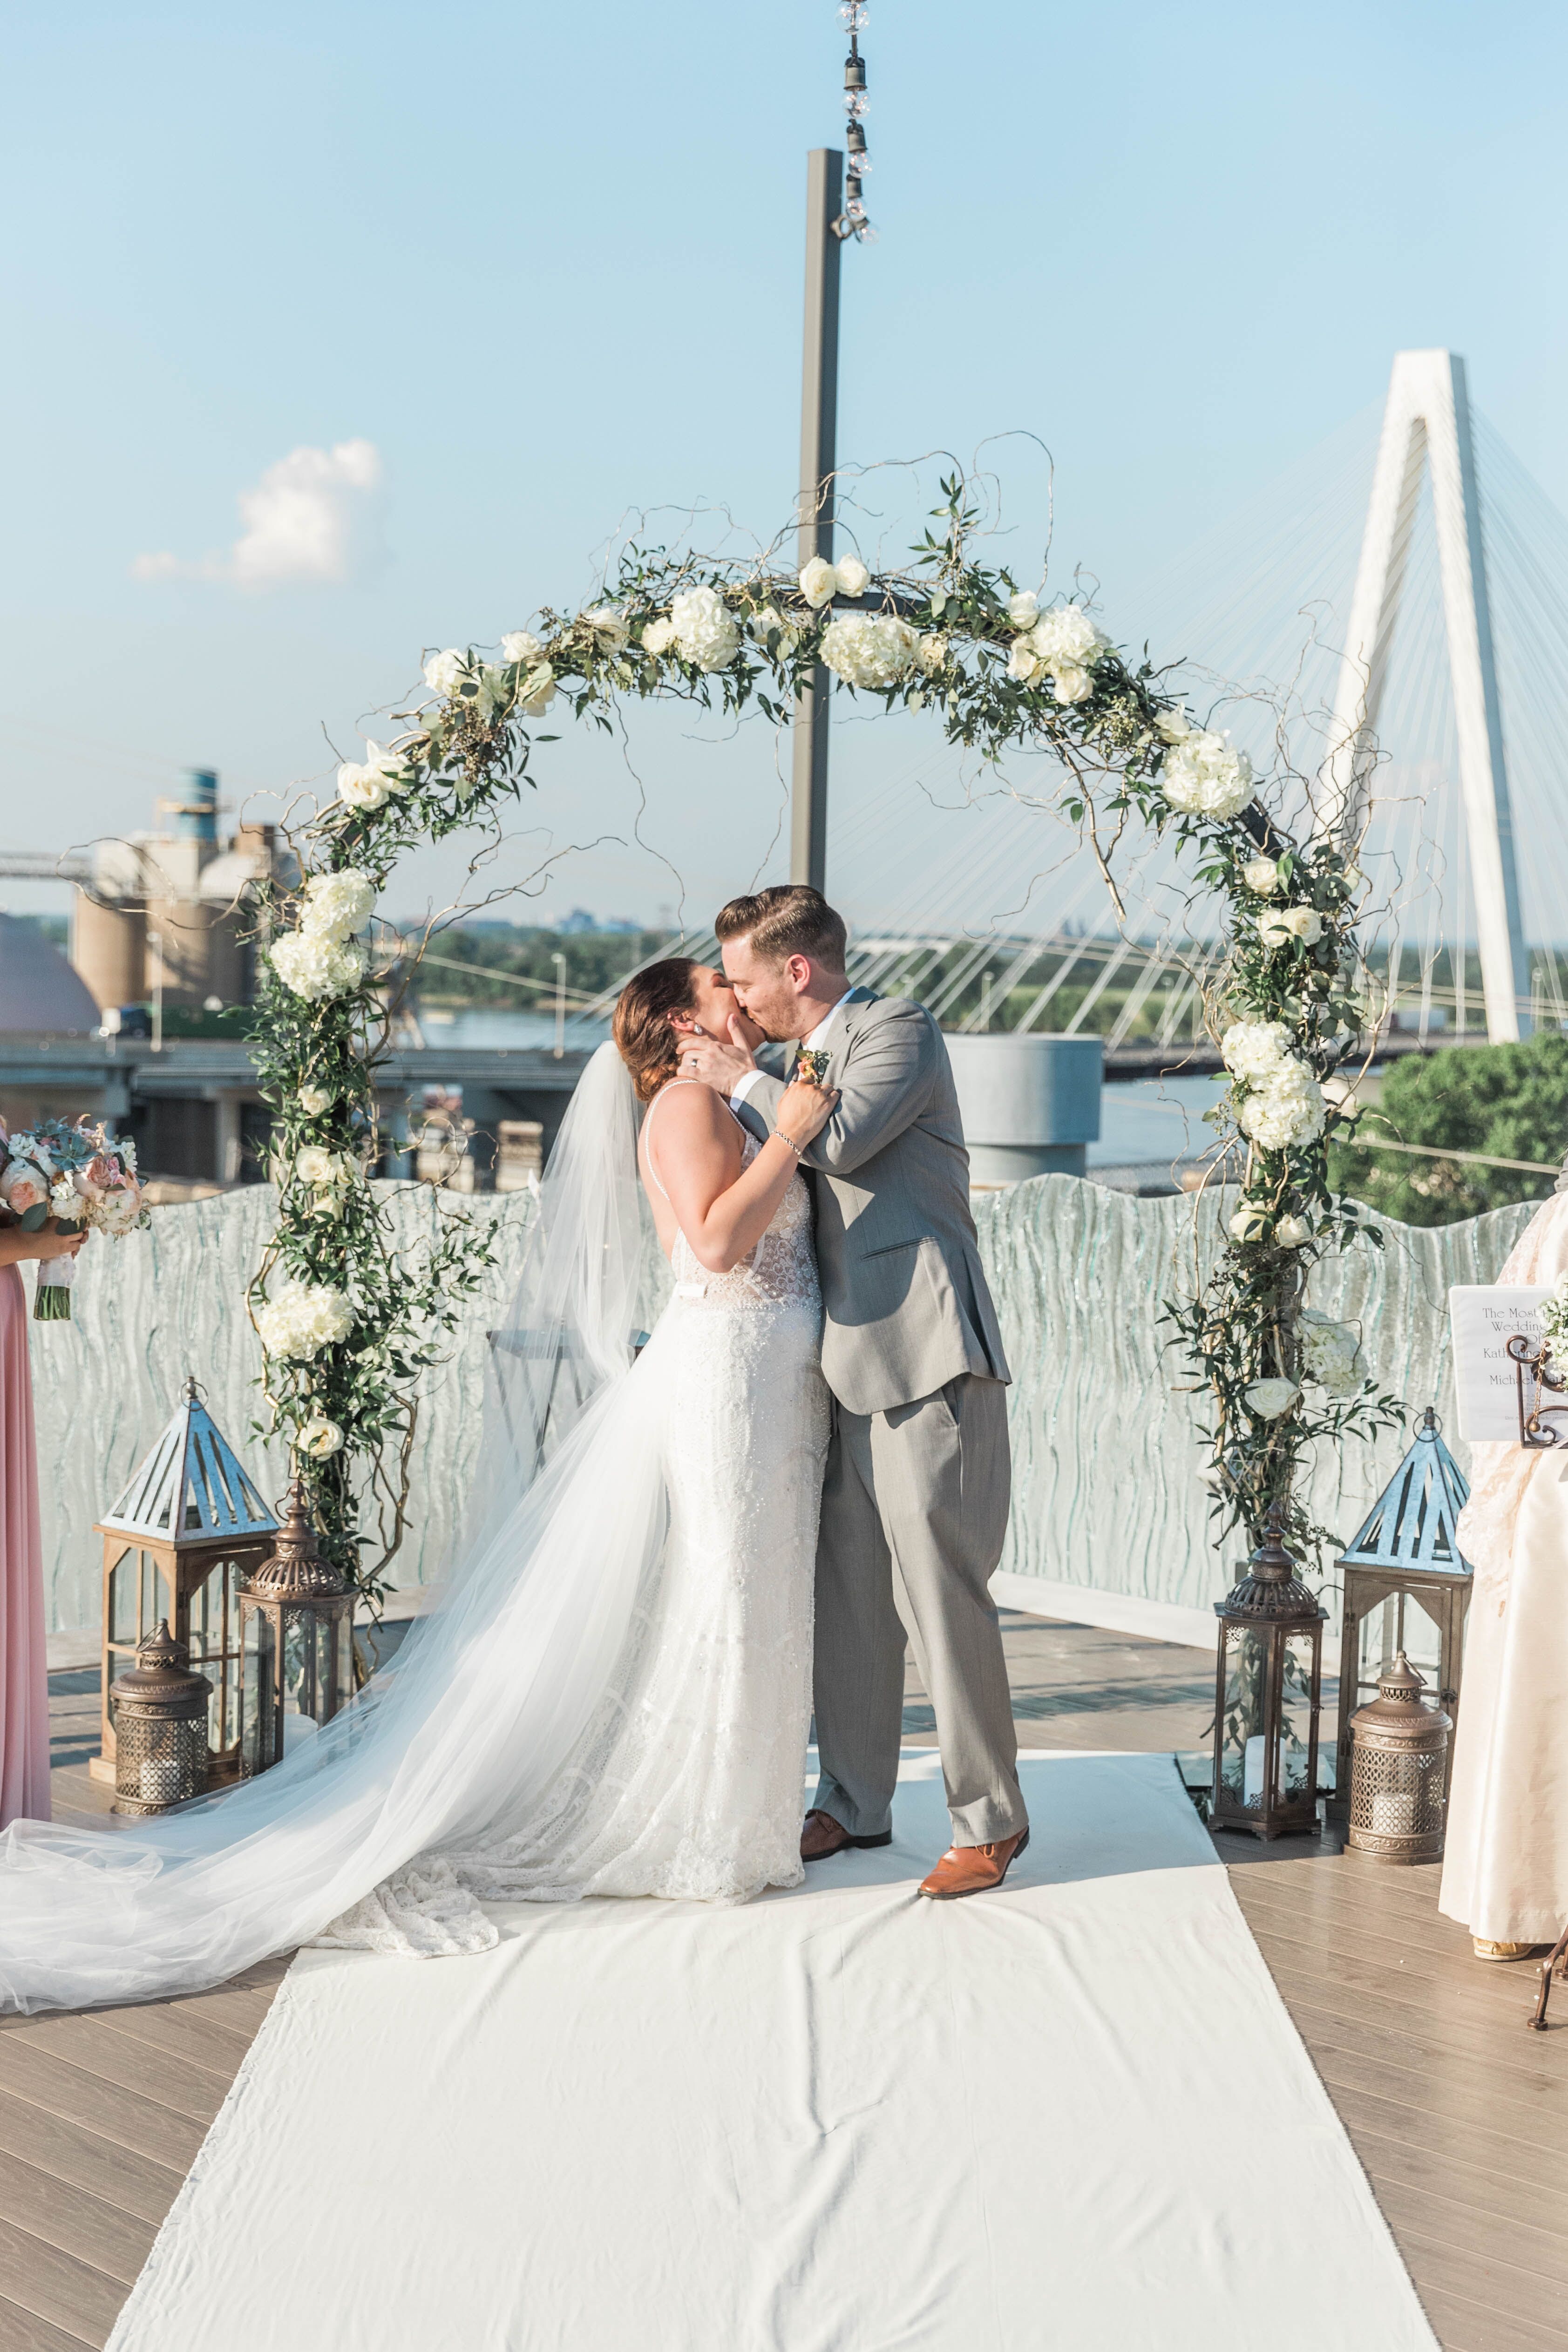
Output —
<point x="456" y="1742"/>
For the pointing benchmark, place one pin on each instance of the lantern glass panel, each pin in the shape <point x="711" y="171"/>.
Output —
<point x="122" y="1595"/>
<point x="1399" y="1622"/>
<point x="214" y="1644"/>
<point x="259" y="1694"/>
<point x="1296" y="1719"/>
<point x="1241" y="1766"/>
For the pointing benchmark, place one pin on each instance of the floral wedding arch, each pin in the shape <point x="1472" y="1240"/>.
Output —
<point x="347" y="1323"/>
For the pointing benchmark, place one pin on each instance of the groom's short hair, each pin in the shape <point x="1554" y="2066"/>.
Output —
<point x="789" y="918"/>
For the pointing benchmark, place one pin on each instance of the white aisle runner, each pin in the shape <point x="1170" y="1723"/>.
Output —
<point x="1071" y="2115"/>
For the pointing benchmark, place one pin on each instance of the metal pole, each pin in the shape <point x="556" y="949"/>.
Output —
<point x="819" y="434"/>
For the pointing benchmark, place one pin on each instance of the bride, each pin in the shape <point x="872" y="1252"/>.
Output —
<point x="614" y="1697"/>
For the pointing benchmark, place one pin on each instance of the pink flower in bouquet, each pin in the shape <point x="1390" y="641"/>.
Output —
<point x="93" y="1182"/>
<point x="23" y="1186"/>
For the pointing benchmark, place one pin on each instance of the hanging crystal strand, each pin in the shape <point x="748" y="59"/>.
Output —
<point x="854" y="222"/>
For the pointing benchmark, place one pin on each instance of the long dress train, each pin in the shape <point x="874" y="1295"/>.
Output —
<point x="609" y="1698"/>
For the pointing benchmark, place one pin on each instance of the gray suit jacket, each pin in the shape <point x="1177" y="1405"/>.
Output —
<point x="907" y="1309"/>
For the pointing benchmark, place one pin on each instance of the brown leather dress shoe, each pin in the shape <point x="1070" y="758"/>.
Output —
<point x="972" y="1869"/>
<point x="822" y="1835"/>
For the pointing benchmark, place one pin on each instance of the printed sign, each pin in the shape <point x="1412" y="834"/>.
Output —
<point x="1483" y="1319"/>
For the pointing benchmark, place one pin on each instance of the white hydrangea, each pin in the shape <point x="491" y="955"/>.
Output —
<point x="1066" y="638"/>
<point x="337" y="904"/>
<point x="705" y="629"/>
<point x="1331" y="1352"/>
<point x="319" y="1437"/>
<point x="303" y="1317"/>
<point x="1254" y="1050"/>
<point x="317" y="967"/>
<point x="872" y="649"/>
<point x="1286" y="1111"/>
<point x="1203" y="777"/>
<point x="522" y="646"/>
<point x="1270" y="1399"/>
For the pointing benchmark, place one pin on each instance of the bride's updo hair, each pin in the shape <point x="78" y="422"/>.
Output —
<point x="647" y="1043"/>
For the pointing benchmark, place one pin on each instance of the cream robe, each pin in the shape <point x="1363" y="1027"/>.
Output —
<point x="1505" y="1871"/>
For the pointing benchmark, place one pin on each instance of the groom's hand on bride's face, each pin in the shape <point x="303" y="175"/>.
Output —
<point x="719" y="1064"/>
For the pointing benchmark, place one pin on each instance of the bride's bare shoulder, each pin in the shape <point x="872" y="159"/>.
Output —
<point x="691" y="1111"/>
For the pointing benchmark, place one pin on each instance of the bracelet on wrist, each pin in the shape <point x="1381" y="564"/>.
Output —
<point x="796" y="1148"/>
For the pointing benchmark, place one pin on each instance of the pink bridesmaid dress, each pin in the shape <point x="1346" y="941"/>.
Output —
<point x="24" y="1665"/>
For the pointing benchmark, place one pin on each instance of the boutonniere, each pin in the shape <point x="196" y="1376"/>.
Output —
<point x="811" y="1063"/>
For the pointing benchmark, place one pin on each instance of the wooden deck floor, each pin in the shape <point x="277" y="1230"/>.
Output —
<point x="1459" y="2113"/>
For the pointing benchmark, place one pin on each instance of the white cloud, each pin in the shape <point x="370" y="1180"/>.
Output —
<point x="311" y="517"/>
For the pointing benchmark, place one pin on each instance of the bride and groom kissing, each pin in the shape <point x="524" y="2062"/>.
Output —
<point x="674" y="1555"/>
<point x="910" y="1459"/>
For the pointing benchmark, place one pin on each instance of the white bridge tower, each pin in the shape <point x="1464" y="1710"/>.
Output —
<point x="1427" y="422"/>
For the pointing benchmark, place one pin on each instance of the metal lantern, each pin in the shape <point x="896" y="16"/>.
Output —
<point x="296" y="1625"/>
<point x="188" y="1526"/>
<point x="160" y="1711"/>
<point x="1406" y="1592"/>
<point x="1398" y="1776"/>
<point x="1267" y="1694"/>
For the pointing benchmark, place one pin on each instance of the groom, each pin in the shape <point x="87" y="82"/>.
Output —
<point x="914" y="1504"/>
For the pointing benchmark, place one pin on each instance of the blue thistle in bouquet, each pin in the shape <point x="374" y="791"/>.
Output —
<point x="79" y="1175"/>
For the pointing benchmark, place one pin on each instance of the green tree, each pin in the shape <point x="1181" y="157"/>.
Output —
<point x="1508" y="1101"/>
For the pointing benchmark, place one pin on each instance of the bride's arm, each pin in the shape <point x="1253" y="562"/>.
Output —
<point x="723" y="1213"/>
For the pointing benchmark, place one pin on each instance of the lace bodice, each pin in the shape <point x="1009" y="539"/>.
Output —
<point x="781" y="1268"/>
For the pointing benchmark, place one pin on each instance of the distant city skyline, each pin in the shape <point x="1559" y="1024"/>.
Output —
<point x="343" y="334"/>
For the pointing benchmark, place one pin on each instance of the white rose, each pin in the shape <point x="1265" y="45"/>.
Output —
<point x="1283" y="924"/>
<point x="609" y="624"/>
<point x="818" y="581"/>
<point x="1262" y="876"/>
<point x="931" y="653"/>
<point x="658" y="636"/>
<point x="361" y="787"/>
<point x="117" y="1213"/>
<point x="868" y="649"/>
<point x="302" y="1317"/>
<point x="319" y="1437"/>
<point x="446" y="672"/>
<point x="1023" y="663"/>
<point x="852" y="576"/>
<point x="314" y="1100"/>
<point x="1173" y="726"/>
<point x="1072" y="686"/>
<point x="537" y="692"/>
<point x="1250" y="1223"/>
<point x="1289" y="1233"/>
<point x="1254" y="1049"/>
<point x="522" y="646"/>
<point x="314" y="967"/>
<point x="1270" y="1399"/>
<point x="337" y="904"/>
<point x="1024" y="609"/>
<point x="313" y="1164"/>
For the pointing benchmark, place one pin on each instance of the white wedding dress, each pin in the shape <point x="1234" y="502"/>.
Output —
<point x="614" y="1698"/>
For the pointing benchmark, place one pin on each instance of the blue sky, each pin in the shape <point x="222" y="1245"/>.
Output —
<point x="547" y="264"/>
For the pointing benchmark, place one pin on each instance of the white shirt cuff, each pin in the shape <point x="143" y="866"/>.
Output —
<point x="743" y="1086"/>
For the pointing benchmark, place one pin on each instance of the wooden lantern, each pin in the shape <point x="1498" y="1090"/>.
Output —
<point x="296" y="1616"/>
<point x="1268" y="1697"/>
<point x="160" y="1711"/>
<point x="188" y="1526"/>
<point x="1406" y="1593"/>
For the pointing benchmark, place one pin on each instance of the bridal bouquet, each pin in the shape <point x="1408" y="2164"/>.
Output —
<point x="79" y="1175"/>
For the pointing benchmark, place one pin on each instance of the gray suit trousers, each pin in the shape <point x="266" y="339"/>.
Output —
<point x="914" y="1510"/>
